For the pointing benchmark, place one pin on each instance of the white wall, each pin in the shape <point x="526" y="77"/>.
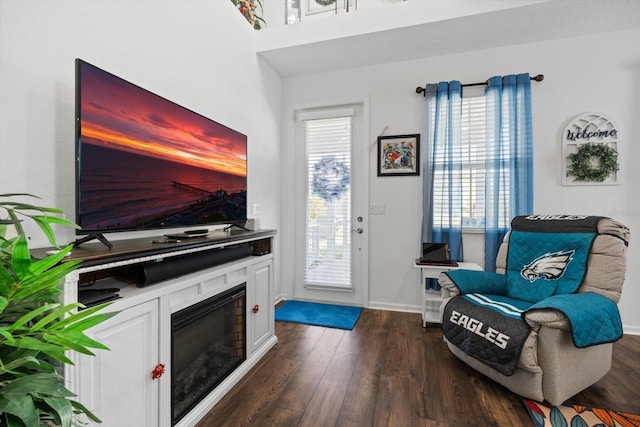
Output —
<point x="591" y="73"/>
<point x="198" y="54"/>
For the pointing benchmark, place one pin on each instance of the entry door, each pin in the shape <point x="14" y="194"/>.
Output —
<point x="332" y="222"/>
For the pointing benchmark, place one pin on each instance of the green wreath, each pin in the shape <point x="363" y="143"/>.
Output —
<point x="581" y="162"/>
<point x="325" y="2"/>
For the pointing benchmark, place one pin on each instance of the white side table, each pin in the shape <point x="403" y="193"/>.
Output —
<point x="431" y="300"/>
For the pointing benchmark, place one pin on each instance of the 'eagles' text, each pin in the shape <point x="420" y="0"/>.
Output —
<point x="475" y="326"/>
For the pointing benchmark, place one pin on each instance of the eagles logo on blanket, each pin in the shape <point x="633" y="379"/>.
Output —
<point x="538" y="249"/>
<point x="549" y="266"/>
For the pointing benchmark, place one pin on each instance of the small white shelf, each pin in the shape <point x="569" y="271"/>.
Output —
<point x="432" y="295"/>
<point x="431" y="300"/>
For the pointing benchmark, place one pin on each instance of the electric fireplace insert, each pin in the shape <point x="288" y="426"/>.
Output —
<point x="207" y="344"/>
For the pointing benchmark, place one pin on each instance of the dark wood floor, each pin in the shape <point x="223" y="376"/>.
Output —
<point x="389" y="371"/>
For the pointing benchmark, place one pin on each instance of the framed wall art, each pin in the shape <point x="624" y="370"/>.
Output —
<point x="399" y="155"/>
<point x="335" y="6"/>
<point x="318" y="6"/>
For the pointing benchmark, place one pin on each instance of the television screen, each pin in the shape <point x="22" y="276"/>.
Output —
<point x="144" y="162"/>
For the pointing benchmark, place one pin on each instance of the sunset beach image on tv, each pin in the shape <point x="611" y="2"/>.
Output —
<point x="146" y="162"/>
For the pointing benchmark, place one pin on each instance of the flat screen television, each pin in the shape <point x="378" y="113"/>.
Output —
<point x="144" y="162"/>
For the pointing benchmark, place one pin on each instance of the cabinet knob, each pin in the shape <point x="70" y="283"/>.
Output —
<point x="157" y="371"/>
<point x="256" y="308"/>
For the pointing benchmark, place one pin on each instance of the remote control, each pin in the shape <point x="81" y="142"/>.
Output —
<point x="201" y="231"/>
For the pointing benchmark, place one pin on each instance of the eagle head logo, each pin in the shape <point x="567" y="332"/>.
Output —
<point x="549" y="266"/>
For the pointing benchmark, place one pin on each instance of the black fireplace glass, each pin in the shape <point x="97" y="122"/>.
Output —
<point x="207" y="344"/>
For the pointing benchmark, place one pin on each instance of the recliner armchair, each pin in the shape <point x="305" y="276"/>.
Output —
<point x="544" y="323"/>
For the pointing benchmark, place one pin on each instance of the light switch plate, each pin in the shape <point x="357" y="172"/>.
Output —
<point x="376" y="209"/>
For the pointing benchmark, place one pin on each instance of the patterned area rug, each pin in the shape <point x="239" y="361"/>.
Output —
<point x="544" y="415"/>
<point x="311" y="313"/>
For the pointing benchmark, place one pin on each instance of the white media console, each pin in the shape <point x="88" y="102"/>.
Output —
<point x="130" y="385"/>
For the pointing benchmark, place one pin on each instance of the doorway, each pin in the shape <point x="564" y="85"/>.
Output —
<point x="331" y="219"/>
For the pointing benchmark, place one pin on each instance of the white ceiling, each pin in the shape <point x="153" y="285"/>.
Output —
<point x="305" y="49"/>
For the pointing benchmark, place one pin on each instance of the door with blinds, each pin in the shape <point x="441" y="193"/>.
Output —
<point x="332" y="212"/>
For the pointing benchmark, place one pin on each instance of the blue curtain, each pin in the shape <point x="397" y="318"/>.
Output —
<point x="443" y="110"/>
<point x="509" y="158"/>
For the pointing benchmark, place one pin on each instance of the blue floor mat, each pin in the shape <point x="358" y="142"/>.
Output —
<point x="311" y="313"/>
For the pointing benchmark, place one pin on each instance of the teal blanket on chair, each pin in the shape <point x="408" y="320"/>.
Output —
<point x="594" y="319"/>
<point x="542" y="262"/>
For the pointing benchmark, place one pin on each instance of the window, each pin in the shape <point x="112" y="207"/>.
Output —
<point x="328" y="220"/>
<point x="470" y="160"/>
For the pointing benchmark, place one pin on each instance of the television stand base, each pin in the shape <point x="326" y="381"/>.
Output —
<point x="90" y="237"/>
<point x="230" y="226"/>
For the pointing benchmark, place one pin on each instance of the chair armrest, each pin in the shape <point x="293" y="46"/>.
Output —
<point x="549" y="317"/>
<point x="473" y="281"/>
<point x="446" y="283"/>
<point x="593" y="319"/>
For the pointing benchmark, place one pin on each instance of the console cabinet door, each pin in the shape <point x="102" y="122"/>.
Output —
<point x="117" y="385"/>
<point x="260" y="304"/>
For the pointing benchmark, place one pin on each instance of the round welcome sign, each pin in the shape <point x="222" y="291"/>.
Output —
<point x="590" y="151"/>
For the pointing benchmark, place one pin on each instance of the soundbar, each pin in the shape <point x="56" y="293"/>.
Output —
<point x="173" y="267"/>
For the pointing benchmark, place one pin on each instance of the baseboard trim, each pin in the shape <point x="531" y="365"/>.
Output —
<point x="379" y="305"/>
<point x="279" y="298"/>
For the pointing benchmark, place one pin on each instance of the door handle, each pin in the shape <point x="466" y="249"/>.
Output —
<point x="358" y="230"/>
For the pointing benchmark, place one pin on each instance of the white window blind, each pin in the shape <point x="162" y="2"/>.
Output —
<point x="473" y="142"/>
<point x="328" y="217"/>
<point x="469" y="160"/>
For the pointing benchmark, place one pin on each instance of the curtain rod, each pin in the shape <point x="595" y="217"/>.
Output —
<point x="537" y="78"/>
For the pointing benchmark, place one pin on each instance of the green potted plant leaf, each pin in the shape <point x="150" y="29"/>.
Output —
<point x="36" y="330"/>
